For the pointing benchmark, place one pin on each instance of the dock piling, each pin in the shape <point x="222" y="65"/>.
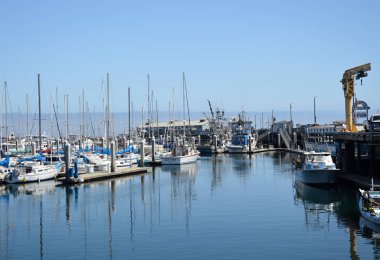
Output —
<point x="153" y="150"/>
<point x="33" y="148"/>
<point x="112" y="144"/>
<point x="142" y="155"/>
<point x="67" y="160"/>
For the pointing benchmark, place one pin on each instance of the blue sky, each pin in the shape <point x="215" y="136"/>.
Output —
<point x="251" y="55"/>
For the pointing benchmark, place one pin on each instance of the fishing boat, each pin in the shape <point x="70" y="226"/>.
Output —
<point x="33" y="173"/>
<point x="243" y="140"/>
<point x="181" y="154"/>
<point x="369" y="205"/>
<point x="318" y="168"/>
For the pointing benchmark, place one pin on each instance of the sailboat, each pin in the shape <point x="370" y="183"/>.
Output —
<point x="182" y="152"/>
<point x="33" y="172"/>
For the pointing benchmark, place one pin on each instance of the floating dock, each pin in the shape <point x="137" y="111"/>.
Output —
<point x="272" y="149"/>
<point x="98" y="176"/>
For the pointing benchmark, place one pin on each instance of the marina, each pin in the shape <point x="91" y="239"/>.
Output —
<point x="254" y="198"/>
<point x="189" y="130"/>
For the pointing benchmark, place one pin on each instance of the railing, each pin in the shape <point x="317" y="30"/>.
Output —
<point x="262" y="136"/>
<point x="287" y="140"/>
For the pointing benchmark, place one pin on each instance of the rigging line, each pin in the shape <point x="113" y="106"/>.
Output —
<point x="11" y="110"/>
<point x="89" y="115"/>
<point x="34" y="118"/>
<point x="56" y="120"/>
<point x="187" y="103"/>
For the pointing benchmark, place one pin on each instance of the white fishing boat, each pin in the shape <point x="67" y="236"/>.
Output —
<point x="182" y="152"/>
<point x="318" y="169"/>
<point x="33" y="173"/>
<point x="369" y="205"/>
<point x="180" y="155"/>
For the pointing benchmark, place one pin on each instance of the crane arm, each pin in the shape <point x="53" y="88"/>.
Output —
<point x="348" y="81"/>
<point x="212" y="112"/>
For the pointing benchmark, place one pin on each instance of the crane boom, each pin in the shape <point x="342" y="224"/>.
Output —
<point x="348" y="81"/>
<point x="212" y="112"/>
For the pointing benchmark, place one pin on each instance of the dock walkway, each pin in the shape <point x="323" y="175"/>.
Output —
<point x="263" y="150"/>
<point x="360" y="181"/>
<point x="98" y="176"/>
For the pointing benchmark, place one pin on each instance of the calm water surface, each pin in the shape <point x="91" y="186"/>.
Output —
<point x="222" y="207"/>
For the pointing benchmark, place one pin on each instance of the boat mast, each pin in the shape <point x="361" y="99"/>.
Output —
<point x="129" y="116"/>
<point x="148" y="106"/>
<point x="67" y="115"/>
<point x="51" y="117"/>
<point x="27" y="116"/>
<point x="183" y="101"/>
<point x="39" y="113"/>
<point x="83" y="112"/>
<point x="6" y="114"/>
<point x="108" y="110"/>
<point x="158" y="130"/>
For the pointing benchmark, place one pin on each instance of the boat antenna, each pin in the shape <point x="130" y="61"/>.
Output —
<point x="372" y="188"/>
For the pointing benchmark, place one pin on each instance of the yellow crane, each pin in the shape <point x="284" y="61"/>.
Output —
<point x="348" y="82"/>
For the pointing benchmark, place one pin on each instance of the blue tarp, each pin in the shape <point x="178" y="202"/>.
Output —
<point x="37" y="157"/>
<point x="87" y="149"/>
<point x="5" y="162"/>
<point x="129" y="149"/>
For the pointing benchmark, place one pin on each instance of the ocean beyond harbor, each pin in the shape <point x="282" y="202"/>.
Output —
<point x="222" y="207"/>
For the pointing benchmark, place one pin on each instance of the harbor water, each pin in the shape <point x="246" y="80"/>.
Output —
<point x="222" y="207"/>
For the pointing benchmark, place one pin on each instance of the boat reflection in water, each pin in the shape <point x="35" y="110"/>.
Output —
<point x="319" y="204"/>
<point x="182" y="192"/>
<point x="33" y="188"/>
<point x="189" y="170"/>
<point x="371" y="231"/>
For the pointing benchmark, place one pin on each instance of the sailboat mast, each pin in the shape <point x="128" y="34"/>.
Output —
<point x="158" y="130"/>
<point x="67" y="116"/>
<point x="129" y="116"/>
<point x="27" y="116"/>
<point x="83" y="111"/>
<point x="148" y="106"/>
<point x="108" y="110"/>
<point x="6" y="113"/>
<point x="39" y="113"/>
<point x="183" y="101"/>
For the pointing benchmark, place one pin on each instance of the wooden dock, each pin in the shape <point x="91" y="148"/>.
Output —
<point x="98" y="176"/>
<point x="360" y="181"/>
<point x="264" y="150"/>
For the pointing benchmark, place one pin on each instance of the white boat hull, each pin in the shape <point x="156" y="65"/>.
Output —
<point x="318" y="177"/>
<point x="372" y="217"/>
<point x="177" y="160"/>
<point x="31" y="177"/>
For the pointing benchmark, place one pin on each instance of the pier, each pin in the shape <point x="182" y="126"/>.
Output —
<point x="358" y="156"/>
<point x="98" y="176"/>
